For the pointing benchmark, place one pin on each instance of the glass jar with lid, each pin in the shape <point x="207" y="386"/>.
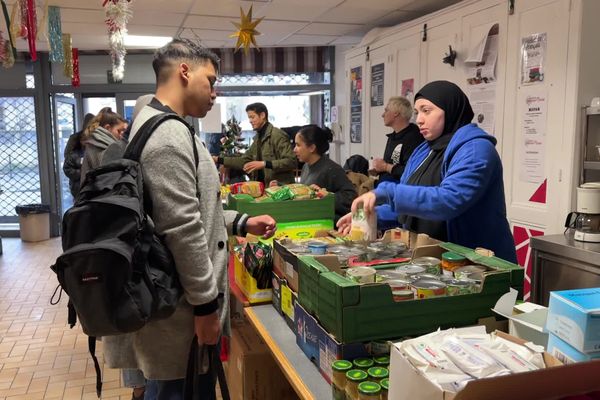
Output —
<point x="353" y="378"/>
<point x="363" y="363"/>
<point x="452" y="261"/>
<point x="369" y="391"/>
<point x="338" y="381"/>
<point x="385" y="385"/>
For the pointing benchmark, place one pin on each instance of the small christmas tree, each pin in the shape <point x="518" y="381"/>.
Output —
<point x="232" y="143"/>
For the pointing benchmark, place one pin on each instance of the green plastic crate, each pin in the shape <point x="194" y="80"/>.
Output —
<point x="286" y="211"/>
<point x="353" y="312"/>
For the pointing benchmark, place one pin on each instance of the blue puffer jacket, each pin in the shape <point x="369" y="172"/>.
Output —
<point x="470" y="197"/>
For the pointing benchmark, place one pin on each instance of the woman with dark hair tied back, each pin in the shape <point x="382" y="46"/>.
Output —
<point x="319" y="171"/>
<point x="103" y="130"/>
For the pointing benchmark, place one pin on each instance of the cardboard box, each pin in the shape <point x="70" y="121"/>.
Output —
<point x="574" y="316"/>
<point x="289" y="298"/>
<point x="566" y="353"/>
<point x="252" y="372"/>
<point x="300" y="229"/>
<point x="526" y="320"/>
<point x="556" y="381"/>
<point x="276" y="298"/>
<point x="247" y="283"/>
<point x="320" y="347"/>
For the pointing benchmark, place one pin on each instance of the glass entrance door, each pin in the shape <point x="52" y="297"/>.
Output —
<point x="65" y="123"/>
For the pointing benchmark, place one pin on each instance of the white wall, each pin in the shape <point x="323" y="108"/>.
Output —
<point x="341" y="90"/>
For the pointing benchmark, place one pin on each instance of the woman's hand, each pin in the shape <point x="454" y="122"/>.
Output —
<point x="344" y="224"/>
<point x="367" y="201"/>
<point x="252" y="166"/>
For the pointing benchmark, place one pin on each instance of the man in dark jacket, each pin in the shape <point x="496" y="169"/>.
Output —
<point x="73" y="156"/>
<point x="401" y="142"/>
<point x="270" y="157"/>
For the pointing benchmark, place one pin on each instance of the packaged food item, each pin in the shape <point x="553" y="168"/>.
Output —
<point x="456" y="287"/>
<point x="258" y="260"/>
<point x="427" y="288"/>
<point x="317" y="248"/>
<point x="243" y="197"/>
<point x="470" y="360"/>
<point x="376" y="374"/>
<point x="468" y="270"/>
<point x="403" y="294"/>
<point x="263" y="199"/>
<point x="385" y="386"/>
<point x="353" y="378"/>
<point x="452" y="261"/>
<point x="281" y="194"/>
<point x="364" y="226"/>
<point x="389" y="274"/>
<point x="338" y="381"/>
<point x="363" y="363"/>
<point x="398" y="284"/>
<point x="382" y="361"/>
<point x="410" y="270"/>
<point x="361" y="274"/>
<point x="432" y="265"/>
<point x="369" y="391"/>
<point x="300" y="191"/>
<point x="253" y="188"/>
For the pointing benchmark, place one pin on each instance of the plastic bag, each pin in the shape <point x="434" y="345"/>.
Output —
<point x="258" y="260"/>
<point x="253" y="188"/>
<point x="364" y="226"/>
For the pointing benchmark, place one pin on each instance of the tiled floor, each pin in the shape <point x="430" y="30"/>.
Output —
<point x="40" y="357"/>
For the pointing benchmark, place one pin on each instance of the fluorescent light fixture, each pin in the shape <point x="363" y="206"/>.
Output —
<point x="146" y="41"/>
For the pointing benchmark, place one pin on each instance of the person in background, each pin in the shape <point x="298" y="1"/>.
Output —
<point x="270" y="155"/>
<point x="74" y="152"/>
<point x="188" y="215"/>
<point x="105" y="129"/>
<point x="400" y="143"/>
<point x="452" y="188"/>
<point x="319" y="171"/>
<point x="357" y="171"/>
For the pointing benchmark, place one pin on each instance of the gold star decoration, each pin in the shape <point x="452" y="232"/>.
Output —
<point x="246" y="31"/>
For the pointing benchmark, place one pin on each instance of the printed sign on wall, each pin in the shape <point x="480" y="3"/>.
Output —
<point x="377" y="79"/>
<point x="356" y="105"/>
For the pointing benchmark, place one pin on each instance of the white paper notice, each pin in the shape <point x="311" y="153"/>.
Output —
<point x="534" y="138"/>
<point x="533" y="54"/>
<point x="484" y="71"/>
<point x="483" y="102"/>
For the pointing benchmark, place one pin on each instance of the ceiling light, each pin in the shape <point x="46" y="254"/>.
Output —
<point x="146" y="41"/>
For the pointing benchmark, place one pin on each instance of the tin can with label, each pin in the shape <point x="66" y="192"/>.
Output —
<point x="410" y="270"/>
<point x="428" y="276"/>
<point x="389" y="275"/>
<point x="398" y="284"/>
<point x="469" y="271"/>
<point x="403" y="294"/>
<point x="432" y="265"/>
<point x="427" y="288"/>
<point x="361" y="274"/>
<point x="455" y="287"/>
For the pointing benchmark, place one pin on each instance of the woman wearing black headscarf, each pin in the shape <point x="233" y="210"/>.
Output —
<point x="452" y="187"/>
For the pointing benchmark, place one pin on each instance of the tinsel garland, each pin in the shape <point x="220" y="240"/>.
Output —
<point x="3" y="48"/>
<point x="68" y="55"/>
<point x="10" y="42"/>
<point x="31" y="29"/>
<point x="118" y="13"/>
<point x="43" y="23"/>
<point x="75" y="80"/>
<point x="55" y="35"/>
<point x="15" y="20"/>
<point x="23" y="19"/>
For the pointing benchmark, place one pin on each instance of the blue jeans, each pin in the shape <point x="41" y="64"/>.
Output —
<point x="133" y="378"/>
<point x="173" y="390"/>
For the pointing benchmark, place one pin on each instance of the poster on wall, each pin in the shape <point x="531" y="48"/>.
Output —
<point x="356" y="105"/>
<point x="534" y="138"/>
<point x="483" y="102"/>
<point x="408" y="89"/>
<point x="377" y="78"/>
<point x="484" y="70"/>
<point x="533" y="53"/>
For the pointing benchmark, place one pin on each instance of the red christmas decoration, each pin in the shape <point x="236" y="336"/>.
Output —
<point x="31" y="28"/>
<point x="75" y="80"/>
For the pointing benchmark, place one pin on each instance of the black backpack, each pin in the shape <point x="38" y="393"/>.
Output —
<point x="118" y="273"/>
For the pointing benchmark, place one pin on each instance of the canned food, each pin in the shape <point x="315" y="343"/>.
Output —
<point x="361" y="274"/>
<point x="426" y="288"/>
<point x="317" y="248"/>
<point x="398" y="284"/>
<point x="455" y="287"/>
<point x="403" y="294"/>
<point x="410" y="270"/>
<point x="389" y="274"/>
<point x="468" y="270"/>
<point x="432" y="265"/>
<point x="428" y="276"/>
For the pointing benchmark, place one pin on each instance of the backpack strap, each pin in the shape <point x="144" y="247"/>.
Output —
<point x="92" y="349"/>
<point x="137" y="144"/>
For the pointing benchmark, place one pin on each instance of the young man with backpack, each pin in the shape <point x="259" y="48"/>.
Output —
<point x="183" y="185"/>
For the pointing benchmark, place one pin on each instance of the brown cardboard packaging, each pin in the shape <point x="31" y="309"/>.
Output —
<point x="252" y="373"/>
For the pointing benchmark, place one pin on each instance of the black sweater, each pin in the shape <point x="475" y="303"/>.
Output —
<point x="399" y="147"/>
